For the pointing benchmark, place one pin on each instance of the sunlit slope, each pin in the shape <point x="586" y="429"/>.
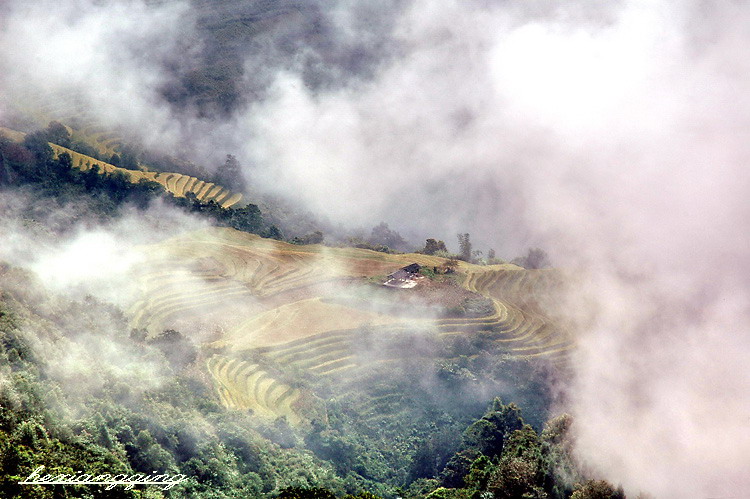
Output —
<point x="177" y="184"/>
<point x="522" y="294"/>
<point x="310" y="317"/>
<point x="212" y="268"/>
<point x="274" y="326"/>
<point x="246" y="385"/>
<point x="12" y="134"/>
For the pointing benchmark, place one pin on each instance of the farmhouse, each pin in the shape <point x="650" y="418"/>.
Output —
<point x="405" y="277"/>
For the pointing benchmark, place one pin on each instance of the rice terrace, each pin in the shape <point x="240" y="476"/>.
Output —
<point x="275" y="315"/>
<point x="320" y="340"/>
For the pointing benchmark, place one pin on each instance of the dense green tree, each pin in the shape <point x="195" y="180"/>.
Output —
<point x="357" y="242"/>
<point x="464" y="245"/>
<point x="65" y="165"/>
<point x="535" y="258"/>
<point x="129" y="157"/>
<point x="57" y="133"/>
<point x="230" y="175"/>
<point x="178" y="350"/>
<point x="479" y="473"/>
<point x="86" y="149"/>
<point x="362" y="495"/>
<point x="447" y="493"/>
<point x="433" y="454"/>
<point x="15" y="161"/>
<point x="597" y="489"/>
<point x="274" y="232"/>
<point x="306" y="493"/>
<point x="312" y="238"/>
<point x="458" y="467"/>
<point x="332" y="445"/>
<point x="432" y="246"/>
<point x="488" y="434"/>
<point x="147" y="455"/>
<point x="382" y="234"/>
<point x="38" y="145"/>
<point x="513" y="478"/>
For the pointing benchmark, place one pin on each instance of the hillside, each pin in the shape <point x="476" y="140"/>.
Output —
<point x="177" y="184"/>
<point x="302" y="342"/>
<point x="269" y="311"/>
<point x="81" y="393"/>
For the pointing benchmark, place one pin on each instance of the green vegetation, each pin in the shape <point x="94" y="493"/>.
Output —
<point x="32" y="165"/>
<point x="312" y="238"/>
<point x="464" y="244"/>
<point x="155" y="415"/>
<point x="432" y="246"/>
<point x="535" y="258"/>
<point x="159" y="415"/>
<point x="382" y="235"/>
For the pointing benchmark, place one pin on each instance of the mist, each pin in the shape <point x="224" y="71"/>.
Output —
<point x="73" y="255"/>
<point x="614" y="136"/>
<point x="67" y="276"/>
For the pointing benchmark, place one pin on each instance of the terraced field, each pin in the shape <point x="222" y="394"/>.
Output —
<point x="270" y="315"/>
<point x="177" y="184"/>
<point x="245" y="385"/>
<point x="274" y="329"/>
<point x="533" y="333"/>
<point x="277" y="331"/>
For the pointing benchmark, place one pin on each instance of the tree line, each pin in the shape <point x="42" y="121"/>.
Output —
<point x="31" y="165"/>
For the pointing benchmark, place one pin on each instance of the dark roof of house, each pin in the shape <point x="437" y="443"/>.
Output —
<point x="401" y="274"/>
<point x="406" y="272"/>
<point x="413" y="268"/>
<point x="405" y="277"/>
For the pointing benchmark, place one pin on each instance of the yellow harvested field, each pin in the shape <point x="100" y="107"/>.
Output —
<point x="213" y="192"/>
<point x="174" y="183"/>
<point x="179" y="186"/>
<point x="231" y="200"/>
<point x="298" y="320"/>
<point x="290" y="281"/>
<point x="204" y="190"/>
<point x="273" y="301"/>
<point x="242" y="385"/>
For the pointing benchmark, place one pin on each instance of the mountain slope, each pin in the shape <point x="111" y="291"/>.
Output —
<point x="177" y="184"/>
<point x="279" y="321"/>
